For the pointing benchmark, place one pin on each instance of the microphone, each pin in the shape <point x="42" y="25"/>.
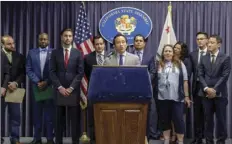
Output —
<point x="111" y="53"/>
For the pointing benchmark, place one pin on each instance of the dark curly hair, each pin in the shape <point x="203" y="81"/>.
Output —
<point x="184" y="50"/>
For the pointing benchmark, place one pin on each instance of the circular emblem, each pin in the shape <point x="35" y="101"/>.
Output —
<point x="127" y="21"/>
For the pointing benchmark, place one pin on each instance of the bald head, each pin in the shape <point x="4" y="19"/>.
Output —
<point x="43" y="40"/>
<point x="8" y="43"/>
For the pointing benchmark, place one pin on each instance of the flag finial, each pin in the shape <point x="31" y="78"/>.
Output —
<point x="170" y="7"/>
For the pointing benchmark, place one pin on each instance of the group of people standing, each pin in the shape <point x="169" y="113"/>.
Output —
<point x="176" y="77"/>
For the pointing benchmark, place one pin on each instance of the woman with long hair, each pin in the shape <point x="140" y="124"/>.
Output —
<point x="172" y="94"/>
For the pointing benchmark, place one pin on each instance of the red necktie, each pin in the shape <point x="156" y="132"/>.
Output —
<point x="66" y="58"/>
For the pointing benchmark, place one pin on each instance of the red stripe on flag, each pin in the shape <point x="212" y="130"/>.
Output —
<point x="87" y="47"/>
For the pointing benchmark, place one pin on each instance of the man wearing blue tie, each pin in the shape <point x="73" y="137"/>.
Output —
<point x="37" y="69"/>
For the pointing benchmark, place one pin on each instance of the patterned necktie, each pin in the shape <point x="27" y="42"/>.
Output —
<point x="213" y="59"/>
<point x="66" y="58"/>
<point x="139" y="55"/>
<point x="100" y="60"/>
<point x="121" y="60"/>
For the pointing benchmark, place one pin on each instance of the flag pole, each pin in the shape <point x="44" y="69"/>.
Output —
<point x="84" y="137"/>
<point x="170" y="14"/>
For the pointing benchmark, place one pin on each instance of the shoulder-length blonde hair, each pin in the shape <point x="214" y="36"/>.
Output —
<point x="175" y="61"/>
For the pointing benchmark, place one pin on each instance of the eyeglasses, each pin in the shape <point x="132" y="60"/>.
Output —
<point x="201" y="39"/>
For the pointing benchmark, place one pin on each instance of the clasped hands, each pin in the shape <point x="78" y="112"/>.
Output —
<point x="65" y="92"/>
<point x="210" y="93"/>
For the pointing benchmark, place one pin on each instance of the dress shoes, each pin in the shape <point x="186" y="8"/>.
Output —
<point x="36" y="142"/>
<point x="197" y="141"/>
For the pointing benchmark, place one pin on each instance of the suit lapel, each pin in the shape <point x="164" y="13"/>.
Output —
<point x="94" y="58"/>
<point x="61" y="56"/>
<point x="70" y="57"/>
<point x="47" y="58"/>
<point x="218" y="59"/>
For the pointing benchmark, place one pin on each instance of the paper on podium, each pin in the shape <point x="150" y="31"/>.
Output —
<point x="16" y="96"/>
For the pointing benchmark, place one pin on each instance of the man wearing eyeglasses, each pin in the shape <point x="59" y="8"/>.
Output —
<point x="195" y="58"/>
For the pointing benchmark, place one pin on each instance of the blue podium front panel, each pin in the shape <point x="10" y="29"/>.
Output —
<point x="120" y="84"/>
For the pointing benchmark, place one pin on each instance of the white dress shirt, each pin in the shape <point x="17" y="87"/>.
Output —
<point x="215" y="56"/>
<point x="199" y="53"/>
<point x="43" y="57"/>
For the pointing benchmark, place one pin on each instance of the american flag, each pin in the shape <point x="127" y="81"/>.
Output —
<point x="83" y="42"/>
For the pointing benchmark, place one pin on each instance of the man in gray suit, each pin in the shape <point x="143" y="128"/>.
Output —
<point x="66" y="72"/>
<point x="213" y="72"/>
<point x="120" y="56"/>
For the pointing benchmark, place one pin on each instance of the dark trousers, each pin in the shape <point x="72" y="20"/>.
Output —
<point x="217" y="105"/>
<point x="14" y="117"/>
<point x="43" y="111"/>
<point x="74" y="116"/>
<point x="152" y="121"/>
<point x="198" y="114"/>
<point x="170" y="110"/>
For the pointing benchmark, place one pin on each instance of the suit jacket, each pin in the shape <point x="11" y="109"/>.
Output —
<point x="67" y="77"/>
<point x="33" y="68"/>
<point x="17" y="67"/>
<point x="192" y="69"/>
<point x="89" y="61"/>
<point x="215" y="75"/>
<point x="130" y="59"/>
<point x="149" y="61"/>
<point x="5" y="71"/>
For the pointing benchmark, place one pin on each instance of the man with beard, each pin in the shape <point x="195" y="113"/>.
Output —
<point x="37" y="69"/>
<point x="66" y="72"/>
<point x="16" y="63"/>
<point x="5" y="77"/>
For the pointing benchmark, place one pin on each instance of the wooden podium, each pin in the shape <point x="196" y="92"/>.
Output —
<point x="120" y="109"/>
<point x="120" y="123"/>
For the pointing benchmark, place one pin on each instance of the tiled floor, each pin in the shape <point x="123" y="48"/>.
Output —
<point x="26" y="140"/>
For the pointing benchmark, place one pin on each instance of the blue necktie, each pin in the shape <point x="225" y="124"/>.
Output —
<point x="121" y="60"/>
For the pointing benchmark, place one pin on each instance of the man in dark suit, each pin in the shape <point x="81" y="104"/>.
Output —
<point x="214" y="71"/>
<point x="5" y="77"/>
<point x="16" y="63"/>
<point x="149" y="60"/>
<point x="96" y="57"/>
<point x="194" y="59"/>
<point x="37" y="69"/>
<point x="66" y="72"/>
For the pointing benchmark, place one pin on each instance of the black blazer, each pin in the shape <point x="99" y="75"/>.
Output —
<point x="89" y="61"/>
<point x="5" y="72"/>
<point x="215" y="75"/>
<point x="67" y="77"/>
<point x="17" y="68"/>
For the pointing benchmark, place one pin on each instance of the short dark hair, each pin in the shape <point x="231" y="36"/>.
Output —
<point x="184" y="50"/>
<point x="97" y="37"/>
<point x="66" y="29"/>
<point x="203" y="33"/>
<point x="218" y="38"/>
<point x="140" y="35"/>
<point x="118" y="35"/>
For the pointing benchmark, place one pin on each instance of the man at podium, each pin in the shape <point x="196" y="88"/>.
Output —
<point x="120" y="56"/>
